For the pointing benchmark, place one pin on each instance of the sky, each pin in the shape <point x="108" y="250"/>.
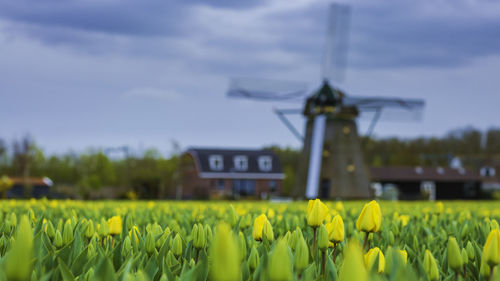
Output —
<point x="106" y="73"/>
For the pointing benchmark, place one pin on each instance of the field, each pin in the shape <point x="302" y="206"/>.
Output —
<point x="129" y="240"/>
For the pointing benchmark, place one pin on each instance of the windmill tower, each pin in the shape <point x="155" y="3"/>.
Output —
<point x="331" y="163"/>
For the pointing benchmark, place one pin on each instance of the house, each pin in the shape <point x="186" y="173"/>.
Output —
<point x="490" y="178"/>
<point x="434" y="183"/>
<point x="229" y="173"/>
<point x="40" y="187"/>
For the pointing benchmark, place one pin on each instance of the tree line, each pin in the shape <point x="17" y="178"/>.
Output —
<point x="152" y="175"/>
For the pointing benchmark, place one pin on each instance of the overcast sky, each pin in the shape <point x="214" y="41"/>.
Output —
<point x="98" y="73"/>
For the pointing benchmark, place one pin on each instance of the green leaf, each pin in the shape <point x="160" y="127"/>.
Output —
<point x="65" y="271"/>
<point x="105" y="271"/>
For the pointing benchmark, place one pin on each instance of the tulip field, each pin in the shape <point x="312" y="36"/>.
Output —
<point x="238" y="240"/>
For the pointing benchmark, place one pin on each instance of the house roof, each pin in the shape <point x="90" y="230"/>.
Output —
<point x="422" y="174"/>
<point x="202" y="155"/>
<point x="32" y="181"/>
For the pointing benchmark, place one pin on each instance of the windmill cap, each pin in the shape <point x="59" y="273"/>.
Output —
<point x="327" y="96"/>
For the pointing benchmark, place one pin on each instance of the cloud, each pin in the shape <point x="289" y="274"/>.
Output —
<point x="245" y="36"/>
<point x="151" y="93"/>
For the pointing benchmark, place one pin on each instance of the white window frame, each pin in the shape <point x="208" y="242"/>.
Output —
<point x="240" y="162"/>
<point x="216" y="162"/>
<point x="265" y="163"/>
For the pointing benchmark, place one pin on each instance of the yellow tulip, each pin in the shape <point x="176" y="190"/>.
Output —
<point x="439" y="207"/>
<point x="115" y="225"/>
<point x="352" y="268"/>
<point x="491" y="250"/>
<point x="316" y="212"/>
<point x="336" y="229"/>
<point x="370" y="218"/>
<point x="371" y="257"/>
<point x="404" y="219"/>
<point x="223" y="252"/>
<point x="404" y="255"/>
<point x="258" y="226"/>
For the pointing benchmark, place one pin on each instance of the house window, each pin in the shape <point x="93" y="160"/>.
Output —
<point x="273" y="186"/>
<point x="216" y="162"/>
<point x="243" y="187"/>
<point x="221" y="185"/>
<point x="240" y="162"/>
<point x="265" y="163"/>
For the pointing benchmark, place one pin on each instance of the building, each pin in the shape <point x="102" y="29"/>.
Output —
<point x="229" y="173"/>
<point x="40" y="187"/>
<point x="434" y="183"/>
<point x="490" y="178"/>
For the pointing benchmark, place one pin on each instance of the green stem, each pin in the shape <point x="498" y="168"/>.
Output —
<point x="197" y="255"/>
<point x="314" y="243"/>
<point x="334" y="252"/>
<point x="323" y="262"/>
<point x="366" y="240"/>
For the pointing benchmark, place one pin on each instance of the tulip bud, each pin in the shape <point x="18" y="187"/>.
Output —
<point x="455" y="261"/>
<point x="223" y="250"/>
<point x="89" y="231"/>
<point x="115" y="225"/>
<point x="258" y="226"/>
<point x="58" y="240"/>
<point x="465" y="257"/>
<point x="353" y="267"/>
<point x="150" y="243"/>
<point x="470" y="251"/>
<point x="102" y="228"/>
<point x="494" y="224"/>
<point x="243" y="245"/>
<point x="370" y="218"/>
<point x="323" y="238"/>
<point x="50" y="230"/>
<point x="280" y="266"/>
<point x="177" y="245"/>
<point x="208" y="232"/>
<point x="134" y="236"/>
<point x="171" y="260"/>
<point x="160" y="241"/>
<point x="67" y="234"/>
<point x="484" y="270"/>
<point x="336" y="229"/>
<point x="198" y="236"/>
<point x="316" y="212"/>
<point x="370" y="258"/>
<point x="232" y="216"/>
<point x="301" y="258"/>
<point x="268" y="231"/>
<point x="127" y="247"/>
<point x="491" y="250"/>
<point x="430" y="266"/>
<point x="253" y="259"/>
<point x="18" y="261"/>
<point x="391" y="238"/>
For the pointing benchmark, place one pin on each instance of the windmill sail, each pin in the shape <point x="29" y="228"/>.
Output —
<point x="315" y="157"/>
<point x="387" y="107"/>
<point x="336" y="45"/>
<point x="267" y="89"/>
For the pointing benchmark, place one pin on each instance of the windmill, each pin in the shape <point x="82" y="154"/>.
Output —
<point x="331" y="163"/>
